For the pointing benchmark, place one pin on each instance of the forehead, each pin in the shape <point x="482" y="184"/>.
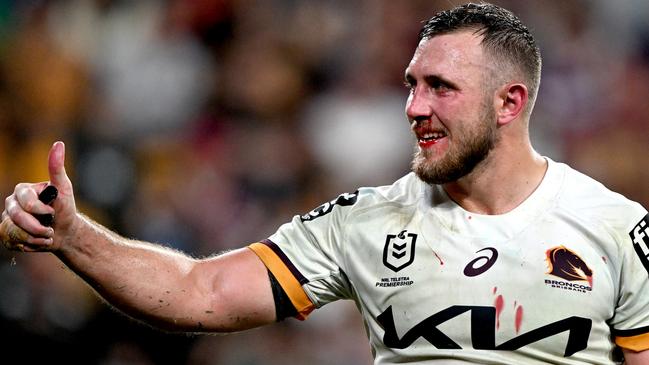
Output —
<point x="451" y="55"/>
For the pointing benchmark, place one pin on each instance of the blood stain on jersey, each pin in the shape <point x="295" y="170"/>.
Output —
<point x="499" y="304"/>
<point x="518" y="317"/>
<point x="567" y="265"/>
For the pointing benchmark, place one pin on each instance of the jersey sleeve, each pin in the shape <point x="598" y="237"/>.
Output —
<point x="306" y="255"/>
<point x="631" y="321"/>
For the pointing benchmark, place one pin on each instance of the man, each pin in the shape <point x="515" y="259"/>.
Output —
<point x="486" y="253"/>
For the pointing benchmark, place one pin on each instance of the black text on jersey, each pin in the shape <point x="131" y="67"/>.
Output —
<point x="342" y="200"/>
<point x="640" y="236"/>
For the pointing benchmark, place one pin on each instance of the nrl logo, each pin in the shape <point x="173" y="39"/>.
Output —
<point x="399" y="250"/>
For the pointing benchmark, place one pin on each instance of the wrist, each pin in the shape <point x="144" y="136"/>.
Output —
<point x="67" y="236"/>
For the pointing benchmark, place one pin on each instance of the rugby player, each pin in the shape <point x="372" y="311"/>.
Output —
<point x="486" y="253"/>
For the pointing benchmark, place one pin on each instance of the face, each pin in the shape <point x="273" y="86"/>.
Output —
<point x="450" y="107"/>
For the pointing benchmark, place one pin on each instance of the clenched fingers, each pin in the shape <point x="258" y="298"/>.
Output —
<point x="21" y="206"/>
<point x="16" y="239"/>
<point x="27" y="196"/>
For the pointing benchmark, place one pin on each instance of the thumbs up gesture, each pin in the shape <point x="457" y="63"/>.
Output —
<point x="32" y="224"/>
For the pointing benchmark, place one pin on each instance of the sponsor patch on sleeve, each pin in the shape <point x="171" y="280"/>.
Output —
<point x="640" y="237"/>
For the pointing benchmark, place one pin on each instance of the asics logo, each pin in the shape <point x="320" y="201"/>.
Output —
<point x="481" y="263"/>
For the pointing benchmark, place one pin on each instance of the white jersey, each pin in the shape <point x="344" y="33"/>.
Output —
<point x="560" y="279"/>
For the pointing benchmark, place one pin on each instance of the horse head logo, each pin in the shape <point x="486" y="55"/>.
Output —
<point x="567" y="265"/>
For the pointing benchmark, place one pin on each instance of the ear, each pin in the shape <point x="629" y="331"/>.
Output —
<point x="511" y="100"/>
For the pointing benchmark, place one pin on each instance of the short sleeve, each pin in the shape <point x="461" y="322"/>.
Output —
<point x="631" y="321"/>
<point x="305" y="255"/>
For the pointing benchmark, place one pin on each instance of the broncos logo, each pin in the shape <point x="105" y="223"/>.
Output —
<point x="568" y="265"/>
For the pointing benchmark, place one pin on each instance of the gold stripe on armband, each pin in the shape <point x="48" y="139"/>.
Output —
<point x="286" y="279"/>
<point x="635" y="343"/>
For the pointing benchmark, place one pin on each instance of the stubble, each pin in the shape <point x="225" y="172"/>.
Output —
<point x="468" y="148"/>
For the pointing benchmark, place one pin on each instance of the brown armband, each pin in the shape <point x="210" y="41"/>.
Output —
<point x="283" y="306"/>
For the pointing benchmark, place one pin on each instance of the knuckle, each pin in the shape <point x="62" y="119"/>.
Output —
<point x="29" y="205"/>
<point x="22" y="194"/>
<point x="21" y="187"/>
<point x="9" y="199"/>
<point x="10" y="207"/>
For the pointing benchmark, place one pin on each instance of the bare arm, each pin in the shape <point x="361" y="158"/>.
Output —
<point x="636" y="358"/>
<point x="168" y="289"/>
<point x="158" y="285"/>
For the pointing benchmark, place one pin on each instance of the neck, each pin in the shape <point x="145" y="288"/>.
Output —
<point x="501" y="182"/>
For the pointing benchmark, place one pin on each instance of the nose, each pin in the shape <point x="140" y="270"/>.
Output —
<point x="418" y="105"/>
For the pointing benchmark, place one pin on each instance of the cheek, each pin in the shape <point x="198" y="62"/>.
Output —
<point x="465" y="116"/>
<point x="453" y="107"/>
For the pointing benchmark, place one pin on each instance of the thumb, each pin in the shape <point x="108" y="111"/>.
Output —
<point x="56" y="166"/>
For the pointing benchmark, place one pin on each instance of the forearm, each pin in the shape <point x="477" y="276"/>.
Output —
<point x="146" y="281"/>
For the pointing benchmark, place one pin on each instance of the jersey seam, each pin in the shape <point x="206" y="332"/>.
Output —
<point x="357" y="210"/>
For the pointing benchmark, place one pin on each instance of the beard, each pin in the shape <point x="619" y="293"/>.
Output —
<point x="471" y="146"/>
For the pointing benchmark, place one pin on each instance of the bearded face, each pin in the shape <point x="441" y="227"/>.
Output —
<point x="451" y="107"/>
<point x="470" y="143"/>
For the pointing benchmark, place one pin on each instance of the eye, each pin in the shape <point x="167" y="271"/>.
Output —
<point x="410" y="84"/>
<point x="439" y="85"/>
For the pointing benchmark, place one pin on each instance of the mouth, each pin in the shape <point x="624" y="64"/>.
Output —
<point x="430" y="138"/>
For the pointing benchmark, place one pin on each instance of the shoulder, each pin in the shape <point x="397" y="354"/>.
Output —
<point x="591" y="200"/>
<point x="405" y="192"/>
<point x="408" y="191"/>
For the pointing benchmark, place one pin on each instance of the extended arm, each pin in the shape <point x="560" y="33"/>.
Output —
<point x="158" y="285"/>
<point x="165" y="288"/>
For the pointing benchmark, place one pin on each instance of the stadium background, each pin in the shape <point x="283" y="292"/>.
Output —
<point x="204" y="125"/>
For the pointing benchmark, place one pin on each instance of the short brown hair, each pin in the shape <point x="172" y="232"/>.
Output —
<point x="504" y="36"/>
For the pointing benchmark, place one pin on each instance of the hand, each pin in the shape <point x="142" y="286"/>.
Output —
<point x="20" y="230"/>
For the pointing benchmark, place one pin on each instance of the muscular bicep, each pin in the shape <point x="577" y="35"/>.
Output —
<point x="237" y="292"/>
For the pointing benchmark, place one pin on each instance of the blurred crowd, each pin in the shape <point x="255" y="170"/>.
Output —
<point x="205" y="124"/>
